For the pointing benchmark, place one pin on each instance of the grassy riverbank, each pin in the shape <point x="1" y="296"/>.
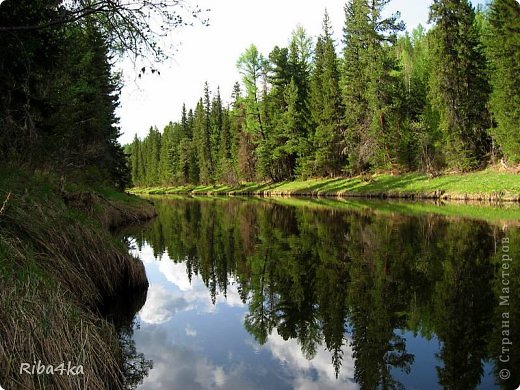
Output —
<point x="59" y="269"/>
<point x="483" y="185"/>
<point x="506" y="214"/>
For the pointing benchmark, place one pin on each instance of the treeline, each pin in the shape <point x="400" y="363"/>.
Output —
<point x="447" y="98"/>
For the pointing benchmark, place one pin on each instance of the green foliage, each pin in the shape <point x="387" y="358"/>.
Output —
<point x="459" y="88"/>
<point x="58" y="97"/>
<point x="368" y="84"/>
<point x="503" y="50"/>
<point x="326" y="107"/>
<point x="417" y="139"/>
<point x="418" y="102"/>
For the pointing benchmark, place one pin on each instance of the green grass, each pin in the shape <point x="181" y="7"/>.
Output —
<point x="59" y="264"/>
<point x="481" y="185"/>
<point x="503" y="213"/>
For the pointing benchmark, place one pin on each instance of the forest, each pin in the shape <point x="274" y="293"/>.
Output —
<point x="439" y="100"/>
<point x="58" y="88"/>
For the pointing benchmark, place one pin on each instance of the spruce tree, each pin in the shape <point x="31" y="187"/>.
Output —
<point x="326" y="106"/>
<point x="201" y="138"/>
<point x="503" y="51"/>
<point x="459" y="89"/>
<point x="368" y="82"/>
<point x="216" y="123"/>
<point x="135" y="161"/>
<point x="182" y="171"/>
<point x="167" y="155"/>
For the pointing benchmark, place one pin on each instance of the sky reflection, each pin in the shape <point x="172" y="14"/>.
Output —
<point x="195" y="344"/>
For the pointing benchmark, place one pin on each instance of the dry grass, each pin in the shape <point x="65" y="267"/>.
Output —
<point x="58" y="269"/>
<point x="111" y="214"/>
<point x="4" y="205"/>
<point x="88" y="261"/>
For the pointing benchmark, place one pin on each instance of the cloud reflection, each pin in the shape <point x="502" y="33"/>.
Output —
<point x="161" y="305"/>
<point x="180" y="367"/>
<point x="289" y="353"/>
<point x="196" y="292"/>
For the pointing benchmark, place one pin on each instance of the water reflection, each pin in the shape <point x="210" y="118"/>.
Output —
<point x="255" y="294"/>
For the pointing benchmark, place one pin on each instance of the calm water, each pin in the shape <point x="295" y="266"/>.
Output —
<point x="255" y="294"/>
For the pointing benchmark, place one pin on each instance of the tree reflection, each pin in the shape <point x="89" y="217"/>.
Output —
<point x="338" y="278"/>
<point x="135" y="365"/>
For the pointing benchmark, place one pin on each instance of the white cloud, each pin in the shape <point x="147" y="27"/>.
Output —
<point x="194" y="292"/>
<point x="161" y="305"/>
<point x="180" y="367"/>
<point x="190" y="331"/>
<point x="176" y="273"/>
<point x="145" y="254"/>
<point x="289" y="353"/>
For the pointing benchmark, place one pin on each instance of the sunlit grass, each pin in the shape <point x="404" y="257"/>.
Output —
<point x="487" y="184"/>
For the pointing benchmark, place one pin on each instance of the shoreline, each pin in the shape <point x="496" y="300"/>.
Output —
<point x="501" y="214"/>
<point x="61" y="268"/>
<point x="488" y="186"/>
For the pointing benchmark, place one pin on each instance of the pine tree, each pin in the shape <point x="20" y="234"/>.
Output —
<point x="201" y="138"/>
<point x="167" y="155"/>
<point x="368" y="82"/>
<point x="217" y="124"/>
<point x="459" y="89"/>
<point x="326" y="106"/>
<point x="503" y="50"/>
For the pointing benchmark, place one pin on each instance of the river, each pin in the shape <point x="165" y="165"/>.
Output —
<point x="318" y="294"/>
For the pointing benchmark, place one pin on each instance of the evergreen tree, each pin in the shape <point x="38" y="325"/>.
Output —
<point x="243" y="146"/>
<point x="217" y="124"/>
<point x="201" y="138"/>
<point x="252" y="66"/>
<point x="194" y="171"/>
<point x="418" y="143"/>
<point x="388" y="107"/>
<point x="459" y="89"/>
<point x="299" y="62"/>
<point x="503" y="50"/>
<point x="135" y="159"/>
<point x="151" y="149"/>
<point x="182" y="171"/>
<point x="368" y="82"/>
<point x="326" y="106"/>
<point x="168" y="155"/>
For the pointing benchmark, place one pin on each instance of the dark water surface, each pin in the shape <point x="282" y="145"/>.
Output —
<point x="257" y="294"/>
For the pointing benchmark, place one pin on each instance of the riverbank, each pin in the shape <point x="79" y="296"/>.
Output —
<point x="60" y="268"/>
<point x="488" y="185"/>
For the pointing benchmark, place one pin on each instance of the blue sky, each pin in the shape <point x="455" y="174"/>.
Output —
<point x="210" y="53"/>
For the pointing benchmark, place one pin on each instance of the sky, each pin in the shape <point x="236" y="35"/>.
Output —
<point x="209" y="53"/>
